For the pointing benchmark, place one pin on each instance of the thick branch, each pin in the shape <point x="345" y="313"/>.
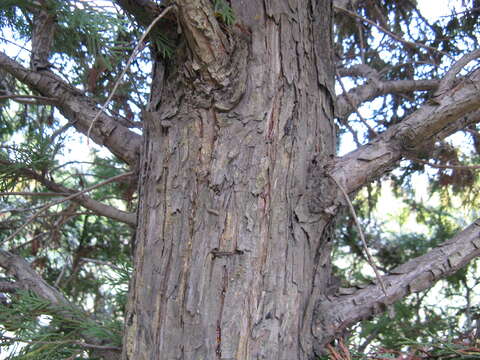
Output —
<point x="79" y="109"/>
<point x="84" y="200"/>
<point x="342" y="311"/>
<point x="29" y="280"/>
<point x="374" y="89"/>
<point x="431" y="122"/>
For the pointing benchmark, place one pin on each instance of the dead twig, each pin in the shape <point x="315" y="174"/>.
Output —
<point x="135" y="52"/>
<point x="362" y="237"/>
<point x="29" y="193"/>
<point x="350" y="101"/>
<point x="443" y="166"/>
<point x="390" y="33"/>
<point x="26" y="99"/>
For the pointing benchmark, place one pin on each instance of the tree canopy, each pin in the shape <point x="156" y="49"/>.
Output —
<point x="68" y="204"/>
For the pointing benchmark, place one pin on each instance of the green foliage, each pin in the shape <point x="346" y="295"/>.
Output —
<point x="224" y="11"/>
<point x="50" y="332"/>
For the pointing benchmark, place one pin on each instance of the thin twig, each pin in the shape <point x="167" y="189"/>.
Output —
<point x="22" y="245"/>
<point x="40" y="99"/>
<point x="390" y="33"/>
<point x="14" y="43"/>
<point x="53" y="203"/>
<point x="442" y="166"/>
<point x="135" y="52"/>
<point x="79" y="343"/>
<point x="60" y="276"/>
<point x="362" y="237"/>
<point x="100" y="262"/>
<point x="350" y="101"/>
<point x="29" y="193"/>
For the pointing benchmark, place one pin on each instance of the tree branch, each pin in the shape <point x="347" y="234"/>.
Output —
<point x="8" y="287"/>
<point x="29" y="99"/>
<point x="84" y="200"/>
<point x="70" y="197"/>
<point x="42" y="37"/>
<point x="28" y="279"/>
<point x="135" y="52"/>
<point x="431" y="122"/>
<point x="79" y="109"/>
<point x="346" y="103"/>
<point x="418" y="274"/>
<point x="361" y="70"/>
<point x="450" y="77"/>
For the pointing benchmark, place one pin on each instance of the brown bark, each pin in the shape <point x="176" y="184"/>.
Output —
<point x="236" y="201"/>
<point x="230" y="256"/>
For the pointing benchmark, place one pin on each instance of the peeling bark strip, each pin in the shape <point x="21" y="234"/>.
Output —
<point x="414" y="276"/>
<point x="225" y="268"/>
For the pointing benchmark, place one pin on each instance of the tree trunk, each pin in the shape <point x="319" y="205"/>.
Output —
<point x="230" y="256"/>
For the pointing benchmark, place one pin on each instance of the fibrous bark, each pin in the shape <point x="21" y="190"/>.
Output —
<point x="230" y="255"/>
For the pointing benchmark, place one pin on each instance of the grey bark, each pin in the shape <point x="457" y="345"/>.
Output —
<point x="230" y="255"/>
<point x="436" y="119"/>
<point x="348" y="103"/>
<point x="236" y="209"/>
<point x="351" y="305"/>
<point x="42" y="38"/>
<point x="236" y="206"/>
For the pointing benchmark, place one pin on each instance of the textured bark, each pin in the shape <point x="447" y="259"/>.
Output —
<point x="236" y="208"/>
<point x="42" y="38"/>
<point x="230" y="257"/>
<point x="351" y="305"/>
<point x="347" y="103"/>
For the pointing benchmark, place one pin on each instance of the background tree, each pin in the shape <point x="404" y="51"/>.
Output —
<point x="224" y="177"/>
